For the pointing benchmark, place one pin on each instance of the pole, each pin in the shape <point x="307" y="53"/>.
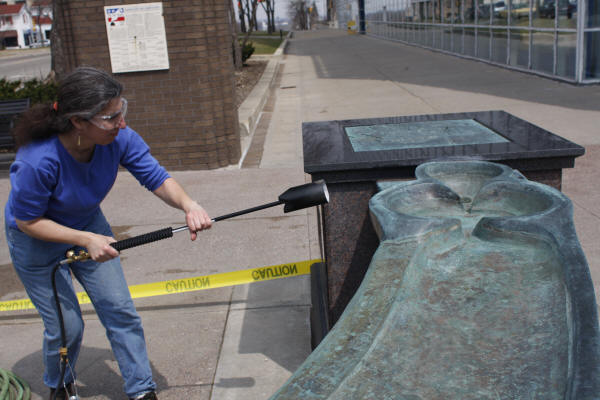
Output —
<point x="361" y="16"/>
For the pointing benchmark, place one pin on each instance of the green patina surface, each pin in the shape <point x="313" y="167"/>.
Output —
<point x="465" y="298"/>
<point x="420" y="134"/>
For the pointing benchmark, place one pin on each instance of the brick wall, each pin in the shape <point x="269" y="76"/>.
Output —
<point x="186" y="114"/>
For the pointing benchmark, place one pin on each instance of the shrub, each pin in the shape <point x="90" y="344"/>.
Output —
<point x="36" y="90"/>
<point x="247" y="51"/>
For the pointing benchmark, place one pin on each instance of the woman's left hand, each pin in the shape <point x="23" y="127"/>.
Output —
<point x="197" y="219"/>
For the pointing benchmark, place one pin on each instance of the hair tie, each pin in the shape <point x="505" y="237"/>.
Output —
<point x="55" y="106"/>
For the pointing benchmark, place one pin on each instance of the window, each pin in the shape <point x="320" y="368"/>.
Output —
<point x="536" y="35"/>
<point x="593" y="20"/>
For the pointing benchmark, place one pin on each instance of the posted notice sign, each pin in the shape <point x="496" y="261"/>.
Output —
<point x="136" y="37"/>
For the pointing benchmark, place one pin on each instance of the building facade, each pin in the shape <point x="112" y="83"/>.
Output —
<point x="16" y="26"/>
<point x="25" y="24"/>
<point x="554" y="38"/>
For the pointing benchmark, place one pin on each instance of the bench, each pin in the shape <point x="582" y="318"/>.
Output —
<point x="9" y="111"/>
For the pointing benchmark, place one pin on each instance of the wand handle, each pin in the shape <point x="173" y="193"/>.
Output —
<point x="143" y="239"/>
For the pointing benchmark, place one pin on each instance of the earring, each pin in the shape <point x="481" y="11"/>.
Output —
<point x="78" y="140"/>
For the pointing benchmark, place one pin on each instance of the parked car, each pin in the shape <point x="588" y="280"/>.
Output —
<point x="499" y="6"/>
<point x="517" y="11"/>
<point x="548" y="9"/>
<point x="483" y="12"/>
<point x="521" y="10"/>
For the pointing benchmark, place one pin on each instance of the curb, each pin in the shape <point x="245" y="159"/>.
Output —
<point x="250" y="110"/>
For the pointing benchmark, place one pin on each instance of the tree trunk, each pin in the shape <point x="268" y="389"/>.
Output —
<point x="247" y="13"/>
<point x="251" y="21"/>
<point x="241" y="16"/>
<point x="265" y="6"/>
<point x="235" y="43"/>
<point x="273" y="27"/>
<point x="270" y="19"/>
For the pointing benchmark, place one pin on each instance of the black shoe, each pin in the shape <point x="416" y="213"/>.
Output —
<point x="61" y="394"/>
<point x="147" y="396"/>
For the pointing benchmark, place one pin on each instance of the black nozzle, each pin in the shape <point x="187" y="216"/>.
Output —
<point x="303" y="196"/>
<point x="296" y="198"/>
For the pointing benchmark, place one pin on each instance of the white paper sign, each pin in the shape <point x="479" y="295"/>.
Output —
<point x="136" y="37"/>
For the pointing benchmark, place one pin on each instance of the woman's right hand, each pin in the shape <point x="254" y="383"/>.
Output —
<point x="99" y="248"/>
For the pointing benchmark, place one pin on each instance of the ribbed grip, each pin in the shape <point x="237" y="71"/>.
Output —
<point x="143" y="239"/>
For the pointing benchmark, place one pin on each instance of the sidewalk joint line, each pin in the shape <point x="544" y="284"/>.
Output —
<point x="212" y="381"/>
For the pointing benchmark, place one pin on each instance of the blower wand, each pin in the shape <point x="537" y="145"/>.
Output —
<point x="295" y="198"/>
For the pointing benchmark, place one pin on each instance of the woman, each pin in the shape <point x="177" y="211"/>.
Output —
<point x="67" y="160"/>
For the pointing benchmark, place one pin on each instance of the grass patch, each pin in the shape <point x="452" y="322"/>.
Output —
<point x="264" y="45"/>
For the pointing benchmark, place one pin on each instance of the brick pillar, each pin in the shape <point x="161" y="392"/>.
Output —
<point x="186" y="114"/>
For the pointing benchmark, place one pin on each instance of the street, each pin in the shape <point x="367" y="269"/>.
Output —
<point x="25" y="64"/>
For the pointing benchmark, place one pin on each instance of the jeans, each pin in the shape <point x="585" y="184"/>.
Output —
<point x="106" y="287"/>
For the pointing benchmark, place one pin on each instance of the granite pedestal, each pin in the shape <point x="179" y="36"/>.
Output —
<point x="352" y="155"/>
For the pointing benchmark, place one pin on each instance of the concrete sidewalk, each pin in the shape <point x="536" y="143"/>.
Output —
<point x="243" y="342"/>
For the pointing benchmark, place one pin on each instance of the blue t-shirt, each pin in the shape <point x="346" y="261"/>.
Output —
<point x="46" y="181"/>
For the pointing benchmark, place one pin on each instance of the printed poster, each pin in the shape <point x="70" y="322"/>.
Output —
<point x="136" y="37"/>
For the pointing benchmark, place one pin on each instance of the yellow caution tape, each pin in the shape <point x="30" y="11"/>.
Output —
<point x="192" y="284"/>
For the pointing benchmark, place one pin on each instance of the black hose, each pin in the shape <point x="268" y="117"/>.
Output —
<point x="61" y="321"/>
<point x="63" y="335"/>
<point x="120" y="245"/>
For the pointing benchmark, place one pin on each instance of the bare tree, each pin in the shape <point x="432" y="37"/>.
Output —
<point x="269" y="8"/>
<point x="313" y="14"/>
<point x="298" y="13"/>
<point x="242" y="16"/>
<point x="250" y="11"/>
<point x="272" y="11"/>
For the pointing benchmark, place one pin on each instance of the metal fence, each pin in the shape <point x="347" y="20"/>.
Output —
<point x="555" y="38"/>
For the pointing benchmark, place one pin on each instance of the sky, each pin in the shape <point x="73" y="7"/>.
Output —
<point x="281" y="9"/>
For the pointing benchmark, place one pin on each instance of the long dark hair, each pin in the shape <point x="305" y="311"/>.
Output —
<point x="84" y="93"/>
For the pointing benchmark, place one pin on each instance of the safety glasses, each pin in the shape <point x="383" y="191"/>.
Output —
<point x="110" y="122"/>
